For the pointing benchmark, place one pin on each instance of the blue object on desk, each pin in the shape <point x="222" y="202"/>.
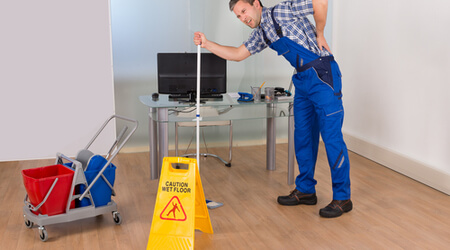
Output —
<point x="245" y="97"/>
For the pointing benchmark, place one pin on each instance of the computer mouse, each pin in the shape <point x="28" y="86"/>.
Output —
<point x="155" y="96"/>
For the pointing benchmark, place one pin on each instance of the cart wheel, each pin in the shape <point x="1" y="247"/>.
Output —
<point x="117" y="218"/>
<point x="29" y="224"/>
<point x="43" y="234"/>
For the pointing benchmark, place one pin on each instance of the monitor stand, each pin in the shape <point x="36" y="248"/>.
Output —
<point x="192" y="100"/>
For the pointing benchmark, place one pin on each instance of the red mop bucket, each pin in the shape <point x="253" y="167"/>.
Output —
<point x="38" y="182"/>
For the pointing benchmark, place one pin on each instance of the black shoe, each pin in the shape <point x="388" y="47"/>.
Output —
<point x="296" y="198"/>
<point x="336" y="208"/>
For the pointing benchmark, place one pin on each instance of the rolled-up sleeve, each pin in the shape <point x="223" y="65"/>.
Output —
<point x="255" y="43"/>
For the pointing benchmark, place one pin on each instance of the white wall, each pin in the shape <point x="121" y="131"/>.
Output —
<point x="141" y="29"/>
<point x="56" y="77"/>
<point x="395" y="63"/>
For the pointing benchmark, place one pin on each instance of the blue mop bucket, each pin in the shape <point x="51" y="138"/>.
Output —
<point x="100" y="191"/>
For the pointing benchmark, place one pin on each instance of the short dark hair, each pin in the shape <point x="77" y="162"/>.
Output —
<point x="233" y="3"/>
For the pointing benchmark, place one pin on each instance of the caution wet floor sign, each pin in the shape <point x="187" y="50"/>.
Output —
<point x="180" y="206"/>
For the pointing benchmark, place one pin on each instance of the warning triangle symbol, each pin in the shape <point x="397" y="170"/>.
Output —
<point x="173" y="210"/>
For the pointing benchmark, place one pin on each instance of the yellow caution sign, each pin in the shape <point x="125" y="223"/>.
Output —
<point x="180" y="206"/>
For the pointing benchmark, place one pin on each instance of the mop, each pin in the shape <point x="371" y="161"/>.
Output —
<point x="209" y="203"/>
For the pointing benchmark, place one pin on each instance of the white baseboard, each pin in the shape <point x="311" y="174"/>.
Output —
<point x="427" y="175"/>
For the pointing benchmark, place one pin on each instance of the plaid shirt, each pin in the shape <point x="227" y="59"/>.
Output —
<point x="292" y="17"/>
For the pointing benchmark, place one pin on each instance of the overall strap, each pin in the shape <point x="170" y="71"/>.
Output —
<point x="276" y="26"/>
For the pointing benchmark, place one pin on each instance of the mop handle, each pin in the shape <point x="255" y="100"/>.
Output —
<point x="198" y="103"/>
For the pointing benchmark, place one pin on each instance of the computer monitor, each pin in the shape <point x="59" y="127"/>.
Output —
<point x="177" y="75"/>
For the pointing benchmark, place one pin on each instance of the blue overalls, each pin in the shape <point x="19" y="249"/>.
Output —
<point x="317" y="109"/>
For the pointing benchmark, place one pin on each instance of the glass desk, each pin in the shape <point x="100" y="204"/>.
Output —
<point x="164" y="111"/>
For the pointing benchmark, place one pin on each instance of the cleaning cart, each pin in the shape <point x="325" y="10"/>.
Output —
<point x="74" y="189"/>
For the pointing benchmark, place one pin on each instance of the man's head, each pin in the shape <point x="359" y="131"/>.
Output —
<point x="248" y="11"/>
<point x="233" y="3"/>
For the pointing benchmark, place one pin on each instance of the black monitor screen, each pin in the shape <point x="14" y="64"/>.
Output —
<point x="177" y="73"/>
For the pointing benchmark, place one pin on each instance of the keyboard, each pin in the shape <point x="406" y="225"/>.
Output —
<point x="211" y="96"/>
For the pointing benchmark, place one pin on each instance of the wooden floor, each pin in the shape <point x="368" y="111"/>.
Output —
<point x="390" y="211"/>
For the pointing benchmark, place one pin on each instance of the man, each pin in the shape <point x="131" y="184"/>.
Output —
<point x="317" y="102"/>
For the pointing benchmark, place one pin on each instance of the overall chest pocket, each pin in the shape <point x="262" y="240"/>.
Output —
<point x="281" y="47"/>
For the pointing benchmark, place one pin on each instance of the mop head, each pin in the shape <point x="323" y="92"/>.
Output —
<point x="213" y="204"/>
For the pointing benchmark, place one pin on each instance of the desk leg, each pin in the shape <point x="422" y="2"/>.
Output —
<point x="271" y="137"/>
<point x="163" y="135"/>
<point x="291" y="148"/>
<point x="153" y="142"/>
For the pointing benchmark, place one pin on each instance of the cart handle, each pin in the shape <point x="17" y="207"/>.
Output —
<point x="115" y="151"/>
<point x="106" y="123"/>
<point x="33" y="208"/>
<point x="119" y="137"/>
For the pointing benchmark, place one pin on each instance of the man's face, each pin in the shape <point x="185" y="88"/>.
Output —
<point x="249" y="14"/>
